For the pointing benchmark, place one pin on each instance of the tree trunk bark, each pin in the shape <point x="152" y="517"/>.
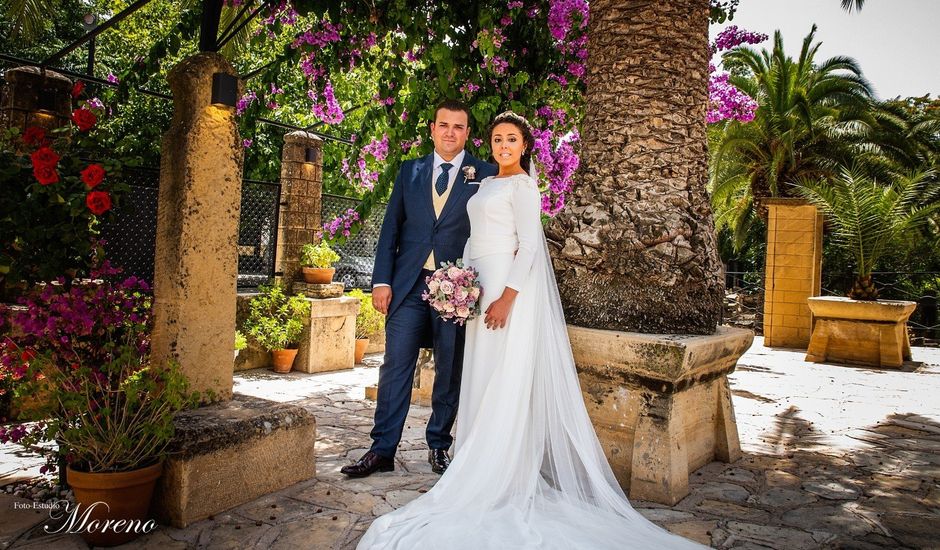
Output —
<point x="635" y="249"/>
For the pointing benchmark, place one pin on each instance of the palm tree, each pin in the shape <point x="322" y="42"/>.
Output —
<point x="905" y="134"/>
<point x="28" y="17"/>
<point x="869" y="218"/>
<point x="849" y="5"/>
<point x="808" y="122"/>
<point x="635" y="248"/>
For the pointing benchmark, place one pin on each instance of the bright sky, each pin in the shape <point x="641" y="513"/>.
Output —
<point x="896" y="42"/>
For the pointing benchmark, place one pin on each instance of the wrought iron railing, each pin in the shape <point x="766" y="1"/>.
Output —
<point x="744" y="300"/>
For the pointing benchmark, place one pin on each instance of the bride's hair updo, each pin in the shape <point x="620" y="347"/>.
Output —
<point x="525" y="129"/>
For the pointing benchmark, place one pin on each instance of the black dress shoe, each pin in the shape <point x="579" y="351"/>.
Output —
<point x="439" y="460"/>
<point x="368" y="465"/>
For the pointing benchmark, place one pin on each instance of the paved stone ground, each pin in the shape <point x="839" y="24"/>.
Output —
<point x="835" y="457"/>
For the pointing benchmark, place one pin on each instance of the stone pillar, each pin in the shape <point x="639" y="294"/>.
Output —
<point x="661" y="406"/>
<point x="196" y="263"/>
<point x="301" y="191"/>
<point x="329" y="339"/>
<point x="792" y="272"/>
<point x="221" y="454"/>
<point x="33" y="97"/>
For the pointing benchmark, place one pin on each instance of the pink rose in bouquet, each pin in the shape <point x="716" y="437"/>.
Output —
<point x="454" y="292"/>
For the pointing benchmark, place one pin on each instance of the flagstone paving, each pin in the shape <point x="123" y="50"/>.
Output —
<point x="835" y="457"/>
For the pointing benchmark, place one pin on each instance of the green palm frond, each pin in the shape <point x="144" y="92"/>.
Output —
<point x="868" y="217"/>
<point x="29" y="17"/>
<point x="849" y="5"/>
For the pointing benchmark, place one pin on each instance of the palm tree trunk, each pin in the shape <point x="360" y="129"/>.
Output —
<point x="635" y="250"/>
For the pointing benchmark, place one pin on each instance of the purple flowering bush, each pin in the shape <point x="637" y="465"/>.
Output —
<point x="337" y="230"/>
<point x="378" y="70"/>
<point x="725" y="100"/>
<point x="80" y="350"/>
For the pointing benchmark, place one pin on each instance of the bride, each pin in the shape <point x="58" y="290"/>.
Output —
<point x="528" y="471"/>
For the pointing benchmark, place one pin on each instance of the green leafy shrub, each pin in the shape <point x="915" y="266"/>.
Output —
<point x="276" y="320"/>
<point x="368" y="320"/>
<point x="240" y="341"/>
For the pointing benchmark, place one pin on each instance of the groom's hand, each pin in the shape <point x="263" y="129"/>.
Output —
<point x="381" y="298"/>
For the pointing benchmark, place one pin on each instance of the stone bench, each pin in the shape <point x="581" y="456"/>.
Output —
<point x="230" y="453"/>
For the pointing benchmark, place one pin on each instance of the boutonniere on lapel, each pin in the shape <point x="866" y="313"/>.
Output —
<point x="469" y="172"/>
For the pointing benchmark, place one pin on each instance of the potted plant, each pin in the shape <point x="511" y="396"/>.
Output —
<point x="368" y="322"/>
<point x="240" y="342"/>
<point x="276" y="321"/>
<point x="316" y="261"/>
<point x="867" y="218"/>
<point x="85" y="346"/>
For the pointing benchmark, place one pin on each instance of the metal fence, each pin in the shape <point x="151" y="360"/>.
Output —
<point x="130" y="231"/>
<point x="257" y="232"/>
<point x="358" y="253"/>
<point x="744" y="300"/>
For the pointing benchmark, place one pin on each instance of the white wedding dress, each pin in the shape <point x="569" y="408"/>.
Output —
<point x="528" y="471"/>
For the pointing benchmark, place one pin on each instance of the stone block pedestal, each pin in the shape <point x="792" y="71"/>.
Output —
<point x="860" y="332"/>
<point x="660" y="404"/>
<point x="328" y="342"/>
<point x="423" y="382"/>
<point x="230" y="453"/>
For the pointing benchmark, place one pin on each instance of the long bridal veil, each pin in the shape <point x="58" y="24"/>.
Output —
<point x="530" y="472"/>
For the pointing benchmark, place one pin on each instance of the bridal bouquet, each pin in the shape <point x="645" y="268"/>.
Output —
<point x="454" y="292"/>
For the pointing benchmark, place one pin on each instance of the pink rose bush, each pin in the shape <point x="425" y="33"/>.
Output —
<point x="454" y="292"/>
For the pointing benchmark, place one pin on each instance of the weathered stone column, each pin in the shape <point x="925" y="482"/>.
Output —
<point x="33" y="97"/>
<point x="635" y="251"/>
<point x="792" y="272"/>
<point x="301" y="191"/>
<point x="221" y="453"/>
<point x="197" y="230"/>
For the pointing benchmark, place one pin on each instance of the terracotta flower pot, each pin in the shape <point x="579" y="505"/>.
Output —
<point x="283" y="359"/>
<point x="114" y="496"/>
<point x="318" y="275"/>
<point x="361" y="345"/>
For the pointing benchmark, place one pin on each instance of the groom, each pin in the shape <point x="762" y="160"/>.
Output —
<point x="426" y="223"/>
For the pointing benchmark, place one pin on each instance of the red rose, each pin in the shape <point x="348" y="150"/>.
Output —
<point x="77" y="89"/>
<point x="92" y="175"/>
<point x="46" y="174"/>
<point x="35" y="136"/>
<point x="44" y="156"/>
<point x="98" y="202"/>
<point x="84" y="119"/>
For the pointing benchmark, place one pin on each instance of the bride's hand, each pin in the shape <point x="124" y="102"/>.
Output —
<point x="498" y="311"/>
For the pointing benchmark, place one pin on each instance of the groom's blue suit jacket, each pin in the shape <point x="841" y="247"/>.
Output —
<point x="411" y="230"/>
